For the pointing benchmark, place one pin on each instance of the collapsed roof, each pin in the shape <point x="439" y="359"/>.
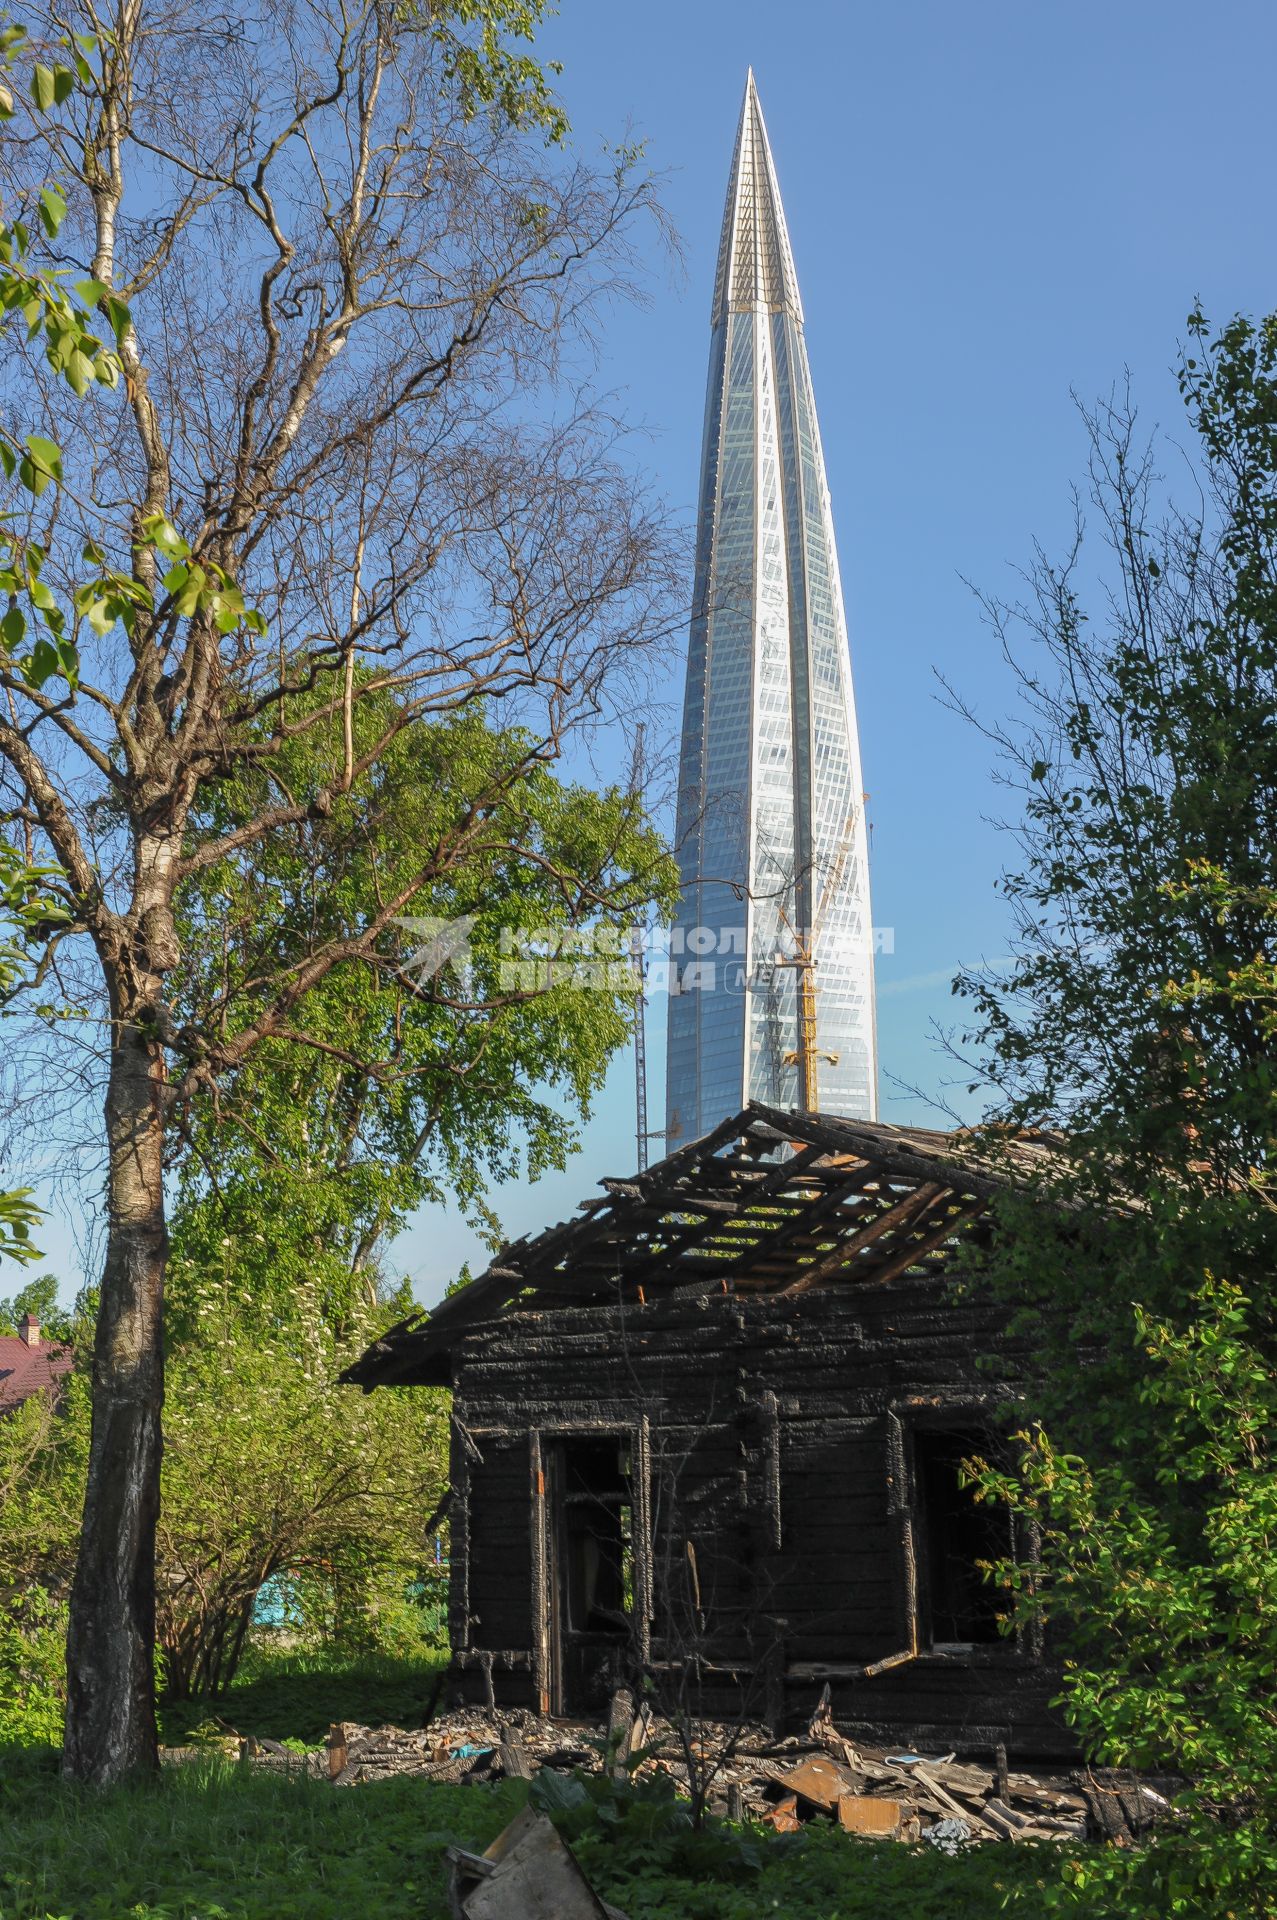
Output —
<point x="768" y="1203"/>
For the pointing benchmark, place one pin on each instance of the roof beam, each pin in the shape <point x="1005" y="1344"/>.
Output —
<point x="910" y="1256"/>
<point x="918" y="1202"/>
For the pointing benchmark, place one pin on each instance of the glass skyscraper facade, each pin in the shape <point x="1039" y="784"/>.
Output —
<point x="771" y="834"/>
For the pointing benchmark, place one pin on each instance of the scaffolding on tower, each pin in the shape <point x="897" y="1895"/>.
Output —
<point x="807" y="1055"/>
<point x="638" y="960"/>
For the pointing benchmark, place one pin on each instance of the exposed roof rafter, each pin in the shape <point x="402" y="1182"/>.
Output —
<point x="768" y="1203"/>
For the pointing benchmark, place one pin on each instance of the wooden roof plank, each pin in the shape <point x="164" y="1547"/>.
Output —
<point x="912" y="1255"/>
<point x="916" y="1202"/>
<point x="723" y="1208"/>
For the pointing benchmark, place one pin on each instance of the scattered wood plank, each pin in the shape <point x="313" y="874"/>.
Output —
<point x="926" y="1779"/>
<point x="870" y="1814"/>
<point x="528" y="1873"/>
<point x="822" y="1782"/>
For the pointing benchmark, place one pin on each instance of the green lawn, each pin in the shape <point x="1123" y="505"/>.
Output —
<point x="214" y="1841"/>
<point x="298" y="1696"/>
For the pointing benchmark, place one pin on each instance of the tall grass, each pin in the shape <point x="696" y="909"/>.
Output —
<point x="217" y="1841"/>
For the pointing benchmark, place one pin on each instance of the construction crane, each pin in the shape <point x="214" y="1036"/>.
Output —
<point x="807" y="1055"/>
<point x="638" y="960"/>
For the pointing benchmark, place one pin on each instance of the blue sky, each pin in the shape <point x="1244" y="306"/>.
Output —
<point x="990" y="205"/>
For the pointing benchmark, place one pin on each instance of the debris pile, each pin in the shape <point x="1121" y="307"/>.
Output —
<point x="738" y="1772"/>
<point x="460" y="1747"/>
<point x="744" y="1773"/>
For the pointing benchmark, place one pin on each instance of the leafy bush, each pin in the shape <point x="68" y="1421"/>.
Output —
<point x="32" y="1668"/>
<point x="1205" y="1873"/>
<point x="272" y="1467"/>
<point x="640" y="1825"/>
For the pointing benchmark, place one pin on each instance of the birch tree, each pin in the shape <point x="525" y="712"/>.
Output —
<point x="351" y="276"/>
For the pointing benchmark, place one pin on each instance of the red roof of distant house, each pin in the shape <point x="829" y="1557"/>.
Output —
<point x="29" y="1363"/>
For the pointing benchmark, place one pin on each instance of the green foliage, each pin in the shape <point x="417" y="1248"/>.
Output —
<point x="40" y="1298"/>
<point x="475" y="36"/>
<point x="401" y="1086"/>
<point x="28" y="908"/>
<point x="32" y="1661"/>
<point x="43" y="1453"/>
<point x="1140" y="1012"/>
<point x="1156" y="1560"/>
<point x="56" y="314"/>
<point x="18" y="1215"/>
<point x="59" y="316"/>
<point x="28" y="911"/>
<point x="1214" y="1874"/>
<point x="35" y="632"/>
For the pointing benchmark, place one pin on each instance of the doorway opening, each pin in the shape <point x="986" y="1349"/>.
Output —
<point x="592" y="1568"/>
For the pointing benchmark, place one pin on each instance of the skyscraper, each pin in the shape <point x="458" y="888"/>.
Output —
<point x="772" y="947"/>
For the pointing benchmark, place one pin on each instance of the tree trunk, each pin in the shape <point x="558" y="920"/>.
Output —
<point x="110" y="1721"/>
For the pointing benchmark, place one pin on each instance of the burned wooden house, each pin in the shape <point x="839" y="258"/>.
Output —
<point x="712" y="1429"/>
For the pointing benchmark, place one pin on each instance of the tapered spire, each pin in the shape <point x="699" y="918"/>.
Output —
<point x="755" y="264"/>
<point x="772" y="944"/>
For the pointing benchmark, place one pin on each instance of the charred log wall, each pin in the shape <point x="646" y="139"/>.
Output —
<point x="780" y="1439"/>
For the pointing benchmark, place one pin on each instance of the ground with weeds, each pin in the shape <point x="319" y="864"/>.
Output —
<point x="216" y="1840"/>
<point x="297" y="1695"/>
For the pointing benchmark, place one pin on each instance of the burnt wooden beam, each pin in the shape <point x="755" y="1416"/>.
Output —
<point x="914" y="1203"/>
<point x="900" y="1508"/>
<point x="933" y="1157"/>
<point x="804" y="1221"/>
<point x="901" y="1262"/>
<point x="775" y="1182"/>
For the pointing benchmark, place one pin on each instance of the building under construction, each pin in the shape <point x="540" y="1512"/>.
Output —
<point x="773" y="936"/>
<point x="709" y="1433"/>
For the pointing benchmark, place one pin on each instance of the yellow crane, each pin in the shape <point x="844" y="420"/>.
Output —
<point x="803" y="961"/>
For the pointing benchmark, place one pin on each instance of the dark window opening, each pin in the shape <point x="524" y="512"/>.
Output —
<point x="960" y="1536"/>
<point x="596" y="1516"/>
